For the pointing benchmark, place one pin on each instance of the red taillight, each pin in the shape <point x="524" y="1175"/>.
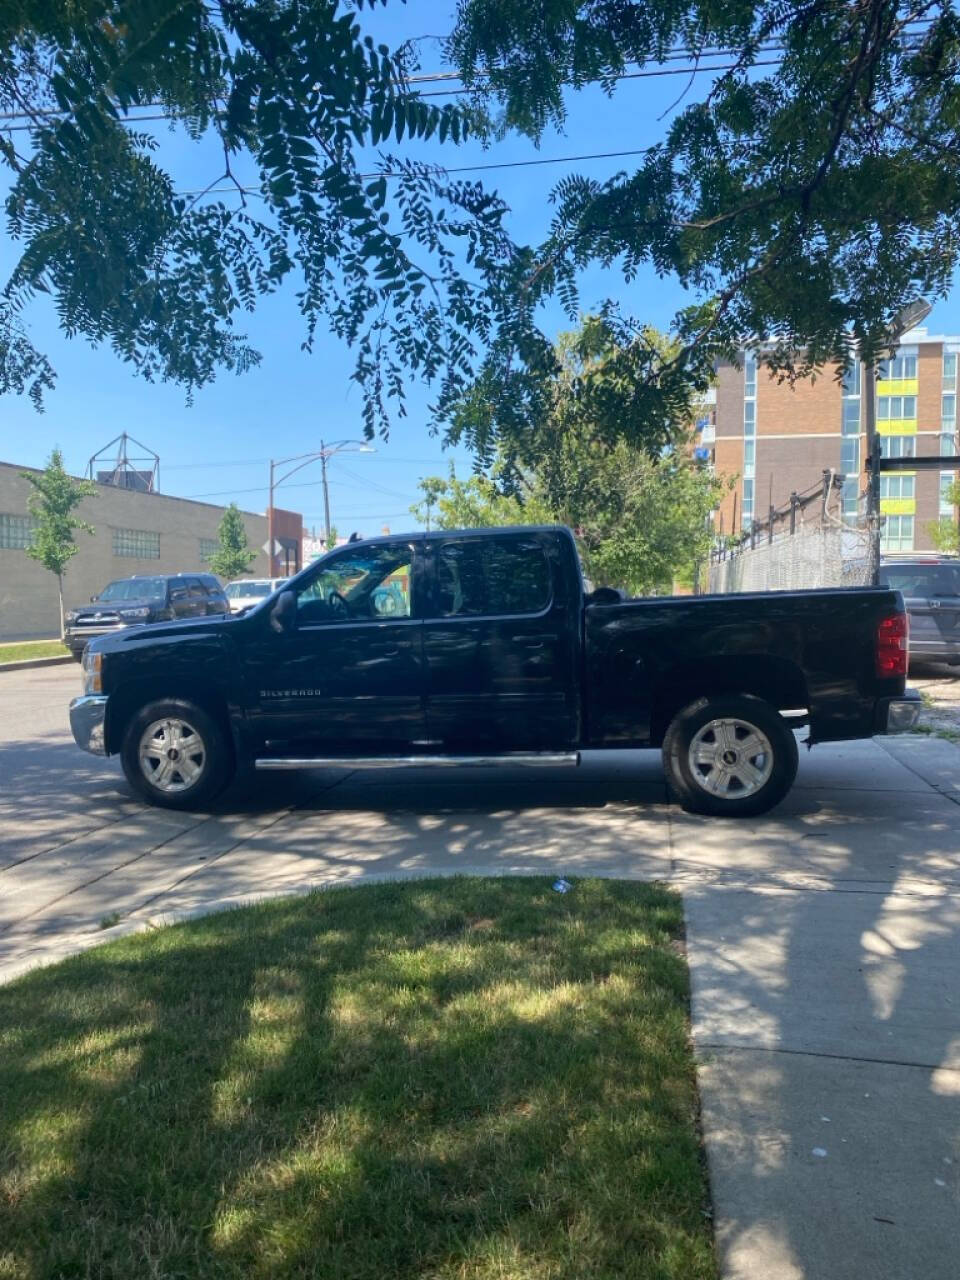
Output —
<point x="890" y="655"/>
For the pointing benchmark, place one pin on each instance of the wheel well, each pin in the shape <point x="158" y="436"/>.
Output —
<point x="126" y="701"/>
<point x="776" y="680"/>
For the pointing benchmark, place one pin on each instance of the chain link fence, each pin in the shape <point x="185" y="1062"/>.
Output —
<point x="809" y="543"/>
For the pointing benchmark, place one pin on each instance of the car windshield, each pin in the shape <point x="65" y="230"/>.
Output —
<point x="922" y="579"/>
<point x="135" y="589"/>
<point x="248" y="590"/>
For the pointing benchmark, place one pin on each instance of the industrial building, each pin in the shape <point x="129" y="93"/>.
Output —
<point x="777" y="438"/>
<point x="137" y="531"/>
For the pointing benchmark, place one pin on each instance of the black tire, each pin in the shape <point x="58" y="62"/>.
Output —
<point x="77" y="655"/>
<point x="204" y="760"/>
<point x="733" y="784"/>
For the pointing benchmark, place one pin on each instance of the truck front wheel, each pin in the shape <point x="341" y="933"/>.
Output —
<point x="730" y="755"/>
<point x="175" y="755"/>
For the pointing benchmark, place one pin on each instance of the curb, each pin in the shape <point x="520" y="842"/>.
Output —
<point x="29" y="663"/>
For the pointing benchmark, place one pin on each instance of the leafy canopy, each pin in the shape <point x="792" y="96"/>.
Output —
<point x="233" y="556"/>
<point x="288" y="89"/>
<point x="52" y="505"/>
<point x="803" y="194"/>
<point x="640" y="521"/>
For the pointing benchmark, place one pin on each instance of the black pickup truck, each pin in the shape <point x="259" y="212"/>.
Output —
<point x="482" y="647"/>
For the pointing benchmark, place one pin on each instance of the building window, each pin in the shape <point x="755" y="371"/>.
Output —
<point x="746" y="518"/>
<point x="898" y="486"/>
<point x="898" y="446"/>
<point x="749" y="457"/>
<point x="850" y="444"/>
<point x="136" y="544"/>
<point x="749" y="417"/>
<point x="948" y="445"/>
<point x="946" y="484"/>
<point x="896" y="533"/>
<point x="749" y="375"/>
<point x="851" y="379"/>
<point x="897" y="407"/>
<point x="208" y="548"/>
<point x="949" y="371"/>
<point x="899" y="368"/>
<point x="15" y="532"/>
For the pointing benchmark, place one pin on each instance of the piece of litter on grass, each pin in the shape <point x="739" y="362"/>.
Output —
<point x="825" y="1119"/>
<point x="947" y="1160"/>
<point x="562" y="886"/>
<point x="819" y="1151"/>
<point x="940" y="1182"/>
<point x="889" y="1221"/>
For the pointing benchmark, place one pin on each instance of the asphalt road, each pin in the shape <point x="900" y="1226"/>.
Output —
<point x="822" y="939"/>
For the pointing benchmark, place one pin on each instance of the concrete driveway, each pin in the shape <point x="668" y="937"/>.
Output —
<point x="823" y="942"/>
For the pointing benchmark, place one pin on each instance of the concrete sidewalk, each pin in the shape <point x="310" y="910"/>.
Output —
<point x="823" y="946"/>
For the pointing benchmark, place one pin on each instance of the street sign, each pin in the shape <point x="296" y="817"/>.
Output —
<point x="277" y="547"/>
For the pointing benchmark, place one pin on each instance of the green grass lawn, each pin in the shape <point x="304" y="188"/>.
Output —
<point x="439" y="1079"/>
<point x="32" y="649"/>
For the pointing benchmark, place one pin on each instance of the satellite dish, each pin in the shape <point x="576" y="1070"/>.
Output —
<point x="909" y="317"/>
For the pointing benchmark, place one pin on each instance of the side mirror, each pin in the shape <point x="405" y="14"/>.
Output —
<point x="283" y="615"/>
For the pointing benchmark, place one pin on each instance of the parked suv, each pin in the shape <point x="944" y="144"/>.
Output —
<point x="143" y="599"/>
<point x="930" y="586"/>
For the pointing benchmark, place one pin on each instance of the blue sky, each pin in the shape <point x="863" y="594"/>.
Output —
<point x="219" y="447"/>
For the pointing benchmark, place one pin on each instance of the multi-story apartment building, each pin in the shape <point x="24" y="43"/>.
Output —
<point x="777" y="438"/>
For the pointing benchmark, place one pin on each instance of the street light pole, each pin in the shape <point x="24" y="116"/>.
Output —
<point x="302" y="460"/>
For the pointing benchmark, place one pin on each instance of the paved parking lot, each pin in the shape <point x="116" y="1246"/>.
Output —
<point x="823" y="942"/>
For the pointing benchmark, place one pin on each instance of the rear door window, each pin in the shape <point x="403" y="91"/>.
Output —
<point x="491" y="577"/>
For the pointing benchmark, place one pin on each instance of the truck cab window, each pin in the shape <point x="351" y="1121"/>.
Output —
<point x="492" y="576"/>
<point x="359" y="584"/>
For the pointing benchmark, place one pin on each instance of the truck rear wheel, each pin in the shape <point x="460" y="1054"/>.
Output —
<point x="731" y="755"/>
<point x="175" y="755"/>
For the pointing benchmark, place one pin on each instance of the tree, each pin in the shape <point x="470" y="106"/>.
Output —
<point x="233" y="557"/>
<point x="640" y="521"/>
<point x="804" y="191"/>
<point x="52" y="503"/>
<point x="289" y="95"/>
<point x="945" y="532"/>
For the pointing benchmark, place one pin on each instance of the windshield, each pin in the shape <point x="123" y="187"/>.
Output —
<point x="135" y="589"/>
<point x="247" y="590"/>
<point x="922" y="579"/>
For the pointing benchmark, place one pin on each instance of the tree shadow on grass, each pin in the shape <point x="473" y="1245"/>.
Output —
<point x="450" y="1078"/>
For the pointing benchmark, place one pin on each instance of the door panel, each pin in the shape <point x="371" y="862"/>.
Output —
<point x="499" y="681"/>
<point x="350" y="675"/>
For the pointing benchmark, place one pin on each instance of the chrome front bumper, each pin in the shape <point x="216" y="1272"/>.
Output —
<point x="87" y="716"/>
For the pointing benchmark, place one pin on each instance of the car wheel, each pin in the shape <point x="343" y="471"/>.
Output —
<point x="731" y="755"/>
<point x="176" y="755"/>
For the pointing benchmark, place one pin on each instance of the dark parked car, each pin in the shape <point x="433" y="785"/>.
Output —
<point x="930" y="586"/>
<point x="482" y="648"/>
<point x="136" y="601"/>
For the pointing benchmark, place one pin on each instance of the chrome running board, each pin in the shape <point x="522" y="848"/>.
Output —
<point x="521" y="760"/>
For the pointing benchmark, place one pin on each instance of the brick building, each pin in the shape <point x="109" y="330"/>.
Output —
<point x="136" y="532"/>
<point x="778" y="438"/>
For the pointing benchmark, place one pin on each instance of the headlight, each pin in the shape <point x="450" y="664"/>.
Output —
<point x="130" y="614"/>
<point x="92" y="672"/>
<point x="70" y="615"/>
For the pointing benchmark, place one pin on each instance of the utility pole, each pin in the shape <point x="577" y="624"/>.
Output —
<point x="302" y="460"/>
<point x="327" y="528"/>
<point x="270" y="557"/>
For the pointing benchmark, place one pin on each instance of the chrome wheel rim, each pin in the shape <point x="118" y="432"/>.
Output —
<point x="730" y="758"/>
<point x="172" y="755"/>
